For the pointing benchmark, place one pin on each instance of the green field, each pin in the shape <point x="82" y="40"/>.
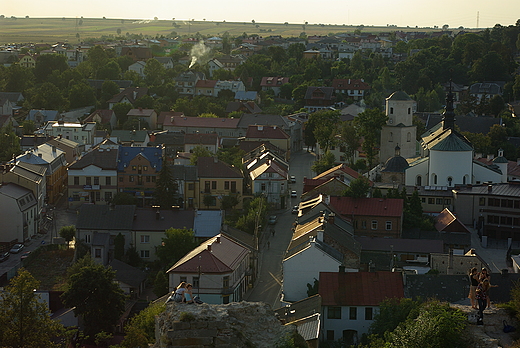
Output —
<point x="51" y="30"/>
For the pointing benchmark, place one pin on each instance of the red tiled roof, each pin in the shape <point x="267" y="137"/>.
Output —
<point x="206" y="83"/>
<point x="211" y="167"/>
<point x="105" y="115"/>
<point x="209" y="122"/>
<point x="201" y="138"/>
<point x="309" y="184"/>
<point x="350" y="84"/>
<point x="140" y="112"/>
<point x="359" y="288"/>
<point x="367" y="206"/>
<point x="219" y="254"/>
<point x="266" y="132"/>
<point x="165" y="117"/>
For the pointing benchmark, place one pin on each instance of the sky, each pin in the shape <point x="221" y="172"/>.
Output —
<point x="421" y="13"/>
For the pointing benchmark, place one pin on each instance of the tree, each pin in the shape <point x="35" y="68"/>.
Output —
<point x="28" y="127"/>
<point x="47" y="63"/>
<point x="358" y="188"/>
<point x="154" y="72"/>
<point x="165" y="188"/>
<point x="368" y="124"/>
<point x="119" y="246"/>
<point x="80" y="95"/>
<point x="68" y="233"/>
<point x="392" y="312"/>
<point x="160" y="285"/>
<point x="109" y="71"/>
<point x="9" y="145"/>
<point x="437" y="325"/>
<point x="123" y="198"/>
<point x="324" y="163"/>
<point x="121" y="110"/>
<point x="25" y="320"/>
<point x="199" y="151"/>
<point x="108" y="90"/>
<point x="49" y="97"/>
<point x="349" y="139"/>
<point x="141" y="330"/>
<point x="325" y="123"/>
<point x="93" y="293"/>
<point x="177" y="243"/>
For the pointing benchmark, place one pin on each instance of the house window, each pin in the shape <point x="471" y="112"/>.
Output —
<point x="88" y="180"/>
<point x="196" y="283"/>
<point x="431" y="200"/>
<point x="76" y="180"/>
<point x="226" y="185"/>
<point x="388" y="225"/>
<point x="191" y="186"/>
<point x="213" y="185"/>
<point x="145" y="238"/>
<point x="333" y="312"/>
<point x="423" y="199"/>
<point x="145" y="168"/>
<point x="262" y="186"/>
<point x="374" y="224"/>
<point x="353" y="313"/>
<point x="364" y="225"/>
<point x="148" y="178"/>
<point x="108" y="196"/>
<point x="145" y="254"/>
<point x="134" y="167"/>
<point x="96" y="180"/>
<point x="98" y="196"/>
<point x="108" y="181"/>
<point x="368" y="313"/>
<point x="438" y="201"/>
<point x="131" y="177"/>
<point x="97" y="253"/>
<point x="153" y="178"/>
<point x="225" y="282"/>
<point x="120" y="179"/>
<point x="75" y="197"/>
<point x="233" y="186"/>
<point x="447" y="201"/>
<point x="330" y="335"/>
<point x="482" y="201"/>
<point x="87" y="238"/>
<point x="207" y="187"/>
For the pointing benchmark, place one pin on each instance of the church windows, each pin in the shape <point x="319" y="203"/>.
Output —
<point x="465" y="179"/>
<point x="409" y="137"/>
<point x="391" y="137"/>
<point x="409" y="111"/>
<point x="418" y="180"/>
<point x="434" y="179"/>
<point x="391" y="111"/>
<point x="450" y="181"/>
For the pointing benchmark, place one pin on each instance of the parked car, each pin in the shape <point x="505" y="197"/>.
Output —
<point x="272" y="220"/>
<point x="295" y="209"/>
<point x="294" y="194"/>
<point x="4" y="256"/>
<point x="16" y="248"/>
<point x="25" y="254"/>
<point x="293" y="179"/>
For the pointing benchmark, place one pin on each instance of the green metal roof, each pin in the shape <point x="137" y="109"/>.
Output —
<point x="399" y="95"/>
<point x="450" y="143"/>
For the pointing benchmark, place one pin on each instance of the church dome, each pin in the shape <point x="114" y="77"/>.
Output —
<point x="399" y="95"/>
<point x="396" y="164"/>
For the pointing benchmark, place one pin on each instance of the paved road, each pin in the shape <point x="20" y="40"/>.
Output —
<point x="269" y="283"/>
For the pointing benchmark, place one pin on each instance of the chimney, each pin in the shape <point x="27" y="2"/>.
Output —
<point x="319" y="235"/>
<point x="490" y="188"/>
<point x="209" y="247"/>
<point x="218" y="240"/>
<point x="341" y="269"/>
<point x="490" y="157"/>
<point x="40" y="155"/>
<point x="331" y="218"/>
<point x="53" y="148"/>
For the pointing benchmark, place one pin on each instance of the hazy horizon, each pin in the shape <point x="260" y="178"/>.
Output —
<point x="401" y="13"/>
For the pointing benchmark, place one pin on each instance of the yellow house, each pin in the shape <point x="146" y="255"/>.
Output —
<point x="216" y="181"/>
<point x="27" y="61"/>
<point x="275" y="135"/>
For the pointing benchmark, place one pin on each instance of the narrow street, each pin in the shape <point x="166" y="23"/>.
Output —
<point x="269" y="283"/>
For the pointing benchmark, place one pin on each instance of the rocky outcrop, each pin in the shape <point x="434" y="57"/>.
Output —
<point x="491" y="334"/>
<point x="238" y="324"/>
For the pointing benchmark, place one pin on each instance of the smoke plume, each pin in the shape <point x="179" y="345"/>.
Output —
<point x="200" y="53"/>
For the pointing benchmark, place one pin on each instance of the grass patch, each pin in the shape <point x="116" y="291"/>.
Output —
<point x="50" y="267"/>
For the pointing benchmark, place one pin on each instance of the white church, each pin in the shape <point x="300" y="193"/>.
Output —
<point x="447" y="158"/>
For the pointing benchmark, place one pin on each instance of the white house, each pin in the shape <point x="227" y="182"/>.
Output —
<point x="351" y="300"/>
<point x="82" y="134"/>
<point x="219" y="269"/>
<point x="19" y="214"/>
<point x="138" y="67"/>
<point x="270" y="177"/>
